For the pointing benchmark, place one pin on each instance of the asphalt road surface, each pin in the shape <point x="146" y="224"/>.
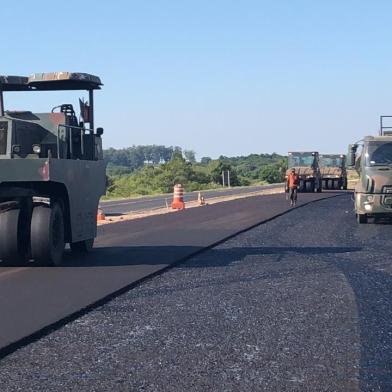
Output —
<point x="116" y="207"/>
<point x="301" y="303"/>
<point x="33" y="298"/>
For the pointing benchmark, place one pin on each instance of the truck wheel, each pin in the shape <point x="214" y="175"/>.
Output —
<point x="13" y="241"/>
<point x="47" y="234"/>
<point x="309" y="186"/>
<point x="82" y="247"/>
<point x="362" y="218"/>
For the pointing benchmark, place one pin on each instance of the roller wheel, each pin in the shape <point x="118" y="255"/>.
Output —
<point x="362" y="218"/>
<point x="47" y="234"/>
<point x="13" y="239"/>
<point x="309" y="186"/>
<point x="82" y="247"/>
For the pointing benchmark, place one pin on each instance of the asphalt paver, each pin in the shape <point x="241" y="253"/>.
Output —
<point x="301" y="303"/>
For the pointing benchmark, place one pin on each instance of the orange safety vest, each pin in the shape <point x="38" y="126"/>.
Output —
<point x="292" y="181"/>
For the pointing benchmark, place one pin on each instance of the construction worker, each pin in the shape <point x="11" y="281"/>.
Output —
<point x="292" y="186"/>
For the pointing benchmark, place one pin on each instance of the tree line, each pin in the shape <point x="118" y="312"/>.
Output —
<point x="126" y="160"/>
<point x="143" y="170"/>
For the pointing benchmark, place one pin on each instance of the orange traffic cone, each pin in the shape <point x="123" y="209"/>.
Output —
<point x="100" y="215"/>
<point x="178" y="198"/>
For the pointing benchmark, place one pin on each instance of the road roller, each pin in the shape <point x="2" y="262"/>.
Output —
<point x="52" y="172"/>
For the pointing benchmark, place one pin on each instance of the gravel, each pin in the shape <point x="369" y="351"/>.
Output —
<point x="302" y="303"/>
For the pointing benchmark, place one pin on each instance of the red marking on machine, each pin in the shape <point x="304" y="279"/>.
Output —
<point x="44" y="171"/>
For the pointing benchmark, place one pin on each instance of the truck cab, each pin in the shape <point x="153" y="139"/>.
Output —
<point x="372" y="159"/>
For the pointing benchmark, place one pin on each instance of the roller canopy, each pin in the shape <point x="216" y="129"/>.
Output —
<point x="50" y="82"/>
<point x="13" y="83"/>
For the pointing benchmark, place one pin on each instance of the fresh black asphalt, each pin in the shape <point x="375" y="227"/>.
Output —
<point x="33" y="298"/>
<point x="301" y="303"/>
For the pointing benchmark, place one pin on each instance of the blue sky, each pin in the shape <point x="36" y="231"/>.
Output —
<point x="219" y="77"/>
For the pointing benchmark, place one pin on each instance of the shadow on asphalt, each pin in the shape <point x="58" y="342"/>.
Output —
<point x="158" y="255"/>
<point x="373" y="293"/>
<point x="153" y="255"/>
<point x="129" y="255"/>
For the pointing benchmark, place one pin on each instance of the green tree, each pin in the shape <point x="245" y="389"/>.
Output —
<point x="190" y="156"/>
<point x="271" y="173"/>
<point x="219" y="167"/>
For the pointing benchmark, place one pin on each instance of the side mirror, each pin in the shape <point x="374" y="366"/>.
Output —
<point x="351" y="156"/>
<point x="99" y="131"/>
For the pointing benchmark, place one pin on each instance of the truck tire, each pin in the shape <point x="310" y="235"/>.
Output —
<point x="362" y="218"/>
<point x="47" y="234"/>
<point x="82" y="247"/>
<point x="13" y="242"/>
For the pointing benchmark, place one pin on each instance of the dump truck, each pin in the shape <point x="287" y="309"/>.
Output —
<point x="371" y="157"/>
<point x="52" y="172"/>
<point x="333" y="171"/>
<point x="306" y="165"/>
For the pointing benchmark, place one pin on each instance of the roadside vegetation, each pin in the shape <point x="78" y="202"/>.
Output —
<point x="147" y="170"/>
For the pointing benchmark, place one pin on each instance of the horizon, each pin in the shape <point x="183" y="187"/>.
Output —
<point x="200" y="156"/>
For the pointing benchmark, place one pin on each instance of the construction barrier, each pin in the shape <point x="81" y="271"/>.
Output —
<point x="178" y="198"/>
<point x="201" y="200"/>
<point x="100" y="215"/>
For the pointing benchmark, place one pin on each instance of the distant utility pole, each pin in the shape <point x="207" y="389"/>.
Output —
<point x="226" y="178"/>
